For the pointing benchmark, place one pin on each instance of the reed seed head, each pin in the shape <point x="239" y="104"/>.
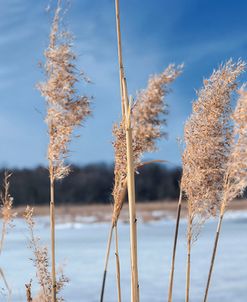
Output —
<point x="208" y="138"/>
<point x="236" y="178"/>
<point x="65" y="108"/>
<point x="147" y="118"/>
<point x="150" y="110"/>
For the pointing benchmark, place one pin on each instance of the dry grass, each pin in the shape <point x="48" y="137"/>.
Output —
<point x="208" y="138"/>
<point x="147" y="118"/>
<point x="236" y="173"/>
<point x="136" y="134"/>
<point x="235" y="180"/>
<point x="65" y="110"/>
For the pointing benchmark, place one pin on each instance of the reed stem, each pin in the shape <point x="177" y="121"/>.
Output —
<point x="106" y="263"/>
<point x="130" y="165"/>
<point x="189" y="239"/>
<point x="175" y="247"/>
<point x="131" y="199"/>
<point x="117" y="263"/>
<point x="52" y="226"/>
<point x="214" y="254"/>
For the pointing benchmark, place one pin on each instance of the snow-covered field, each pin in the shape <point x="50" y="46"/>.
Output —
<point x="81" y="247"/>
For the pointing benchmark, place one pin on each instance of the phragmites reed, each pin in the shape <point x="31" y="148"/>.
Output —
<point x="208" y="137"/>
<point x="65" y="110"/>
<point x="41" y="263"/>
<point x="235" y="180"/>
<point x="147" y="118"/>
<point x="148" y="115"/>
<point x="236" y="177"/>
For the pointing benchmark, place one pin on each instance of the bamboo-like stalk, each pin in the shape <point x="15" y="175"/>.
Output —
<point x="117" y="264"/>
<point x="216" y="240"/>
<point x="52" y="226"/>
<point x="121" y="76"/>
<point x="130" y="167"/>
<point x="189" y="240"/>
<point x="106" y="262"/>
<point x="171" y="279"/>
<point x="131" y="199"/>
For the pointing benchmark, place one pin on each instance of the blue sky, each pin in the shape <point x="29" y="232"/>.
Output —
<point x="201" y="34"/>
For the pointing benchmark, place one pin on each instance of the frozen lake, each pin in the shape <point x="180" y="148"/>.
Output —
<point x="82" y="246"/>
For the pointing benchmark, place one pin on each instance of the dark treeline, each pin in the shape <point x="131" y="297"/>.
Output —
<point x="91" y="184"/>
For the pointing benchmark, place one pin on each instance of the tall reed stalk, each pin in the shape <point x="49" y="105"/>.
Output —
<point x="131" y="199"/>
<point x="65" y="111"/>
<point x="52" y="230"/>
<point x="235" y="180"/>
<point x="208" y="136"/>
<point x="148" y="116"/>
<point x="126" y="107"/>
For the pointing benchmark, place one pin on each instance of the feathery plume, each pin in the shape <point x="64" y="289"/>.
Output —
<point x="236" y="173"/>
<point x="208" y="137"/>
<point x="65" y="109"/>
<point x="150" y="110"/>
<point x="236" y="178"/>
<point x="147" y="118"/>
